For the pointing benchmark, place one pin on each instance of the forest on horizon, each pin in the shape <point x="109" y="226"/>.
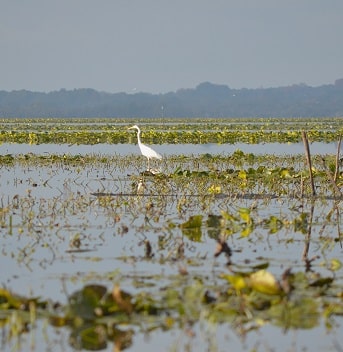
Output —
<point x="206" y="100"/>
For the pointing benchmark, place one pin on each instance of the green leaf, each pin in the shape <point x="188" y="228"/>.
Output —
<point x="83" y="303"/>
<point x="193" y="222"/>
<point x="237" y="281"/>
<point x="300" y="314"/>
<point x="247" y="231"/>
<point x="335" y="264"/>
<point x="245" y="215"/>
<point x="94" y="338"/>
<point x="264" y="282"/>
<point x="274" y="224"/>
<point x="194" y="234"/>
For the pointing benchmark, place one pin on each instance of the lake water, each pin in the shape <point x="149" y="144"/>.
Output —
<point x="170" y="149"/>
<point x="52" y="205"/>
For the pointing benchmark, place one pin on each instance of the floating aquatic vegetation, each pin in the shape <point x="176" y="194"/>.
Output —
<point x="234" y="240"/>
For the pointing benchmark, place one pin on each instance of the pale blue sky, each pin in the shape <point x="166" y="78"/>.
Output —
<point x="163" y="45"/>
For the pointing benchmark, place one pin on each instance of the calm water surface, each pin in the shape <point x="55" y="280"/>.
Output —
<point x="170" y="149"/>
<point x="40" y="260"/>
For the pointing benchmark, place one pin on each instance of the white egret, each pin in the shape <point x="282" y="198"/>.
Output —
<point x="148" y="152"/>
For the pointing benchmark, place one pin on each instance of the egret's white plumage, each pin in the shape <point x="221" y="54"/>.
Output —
<point x="148" y="152"/>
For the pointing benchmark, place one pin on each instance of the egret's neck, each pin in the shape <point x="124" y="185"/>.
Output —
<point x="139" y="137"/>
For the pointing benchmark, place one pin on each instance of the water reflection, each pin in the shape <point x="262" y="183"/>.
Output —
<point x="308" y="261"/>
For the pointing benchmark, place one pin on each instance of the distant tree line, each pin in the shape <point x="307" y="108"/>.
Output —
<point x="206" y="100"/>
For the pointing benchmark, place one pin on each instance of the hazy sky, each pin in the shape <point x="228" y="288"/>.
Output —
<point x="163" y="45"/>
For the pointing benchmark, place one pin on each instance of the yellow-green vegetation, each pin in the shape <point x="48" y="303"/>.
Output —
<point x="234" y="240"/>
<point x="159" y="131"/>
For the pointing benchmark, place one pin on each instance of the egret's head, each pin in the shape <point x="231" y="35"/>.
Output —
<point x="135" y="127"/>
